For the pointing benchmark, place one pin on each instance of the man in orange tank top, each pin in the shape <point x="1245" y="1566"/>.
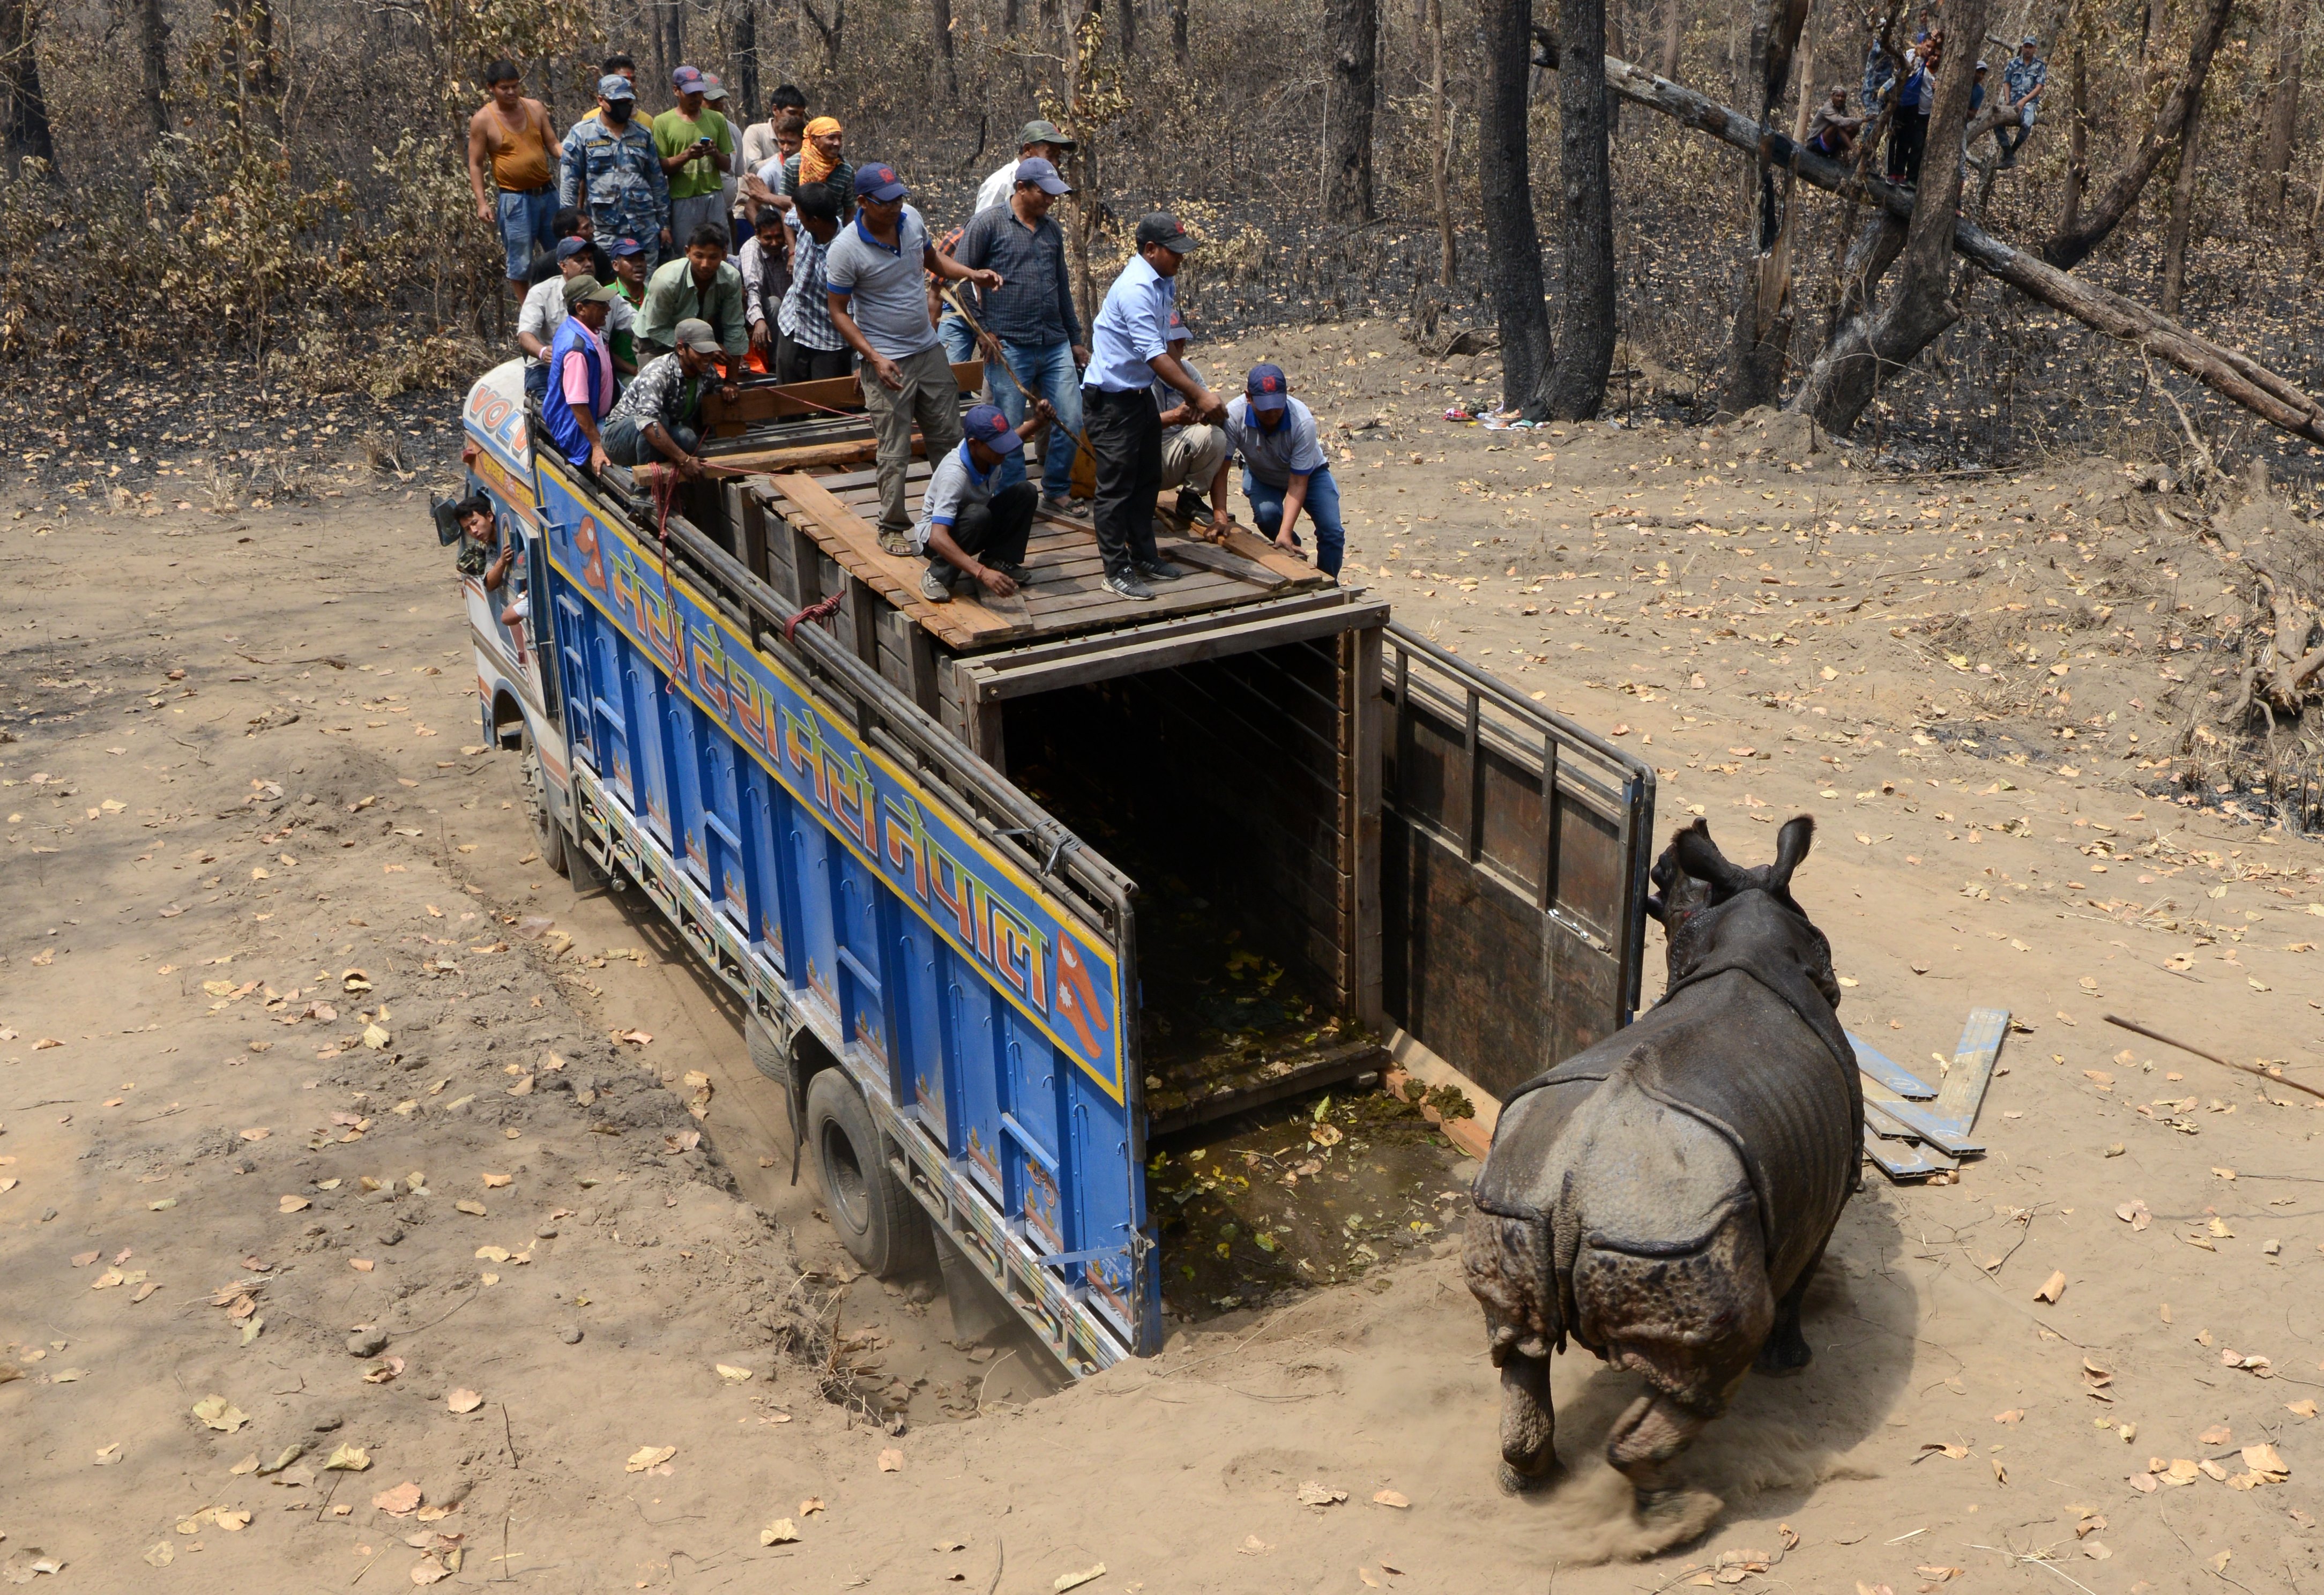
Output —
<point x="510" y="133"/>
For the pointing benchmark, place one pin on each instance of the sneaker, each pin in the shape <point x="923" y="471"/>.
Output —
<point x="936" y="585"/>
<point x="1192" y="507"/>
<point x="1015" y="573"/>
<point x="1159" y="570"/>
<point x="1127" y="585"/>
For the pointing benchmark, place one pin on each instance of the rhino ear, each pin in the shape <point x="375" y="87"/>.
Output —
<point x="1699" y="857"/>
<point x="1791" y="844"/>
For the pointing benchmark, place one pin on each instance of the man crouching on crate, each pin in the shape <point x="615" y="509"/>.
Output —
<point x="970" y="525"/>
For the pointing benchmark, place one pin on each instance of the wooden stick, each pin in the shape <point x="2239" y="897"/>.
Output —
<point x="2212" y="1056"/>
<point x="977" y="328"/>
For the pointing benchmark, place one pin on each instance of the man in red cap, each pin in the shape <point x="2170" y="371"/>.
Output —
<point x="971" y="525"/>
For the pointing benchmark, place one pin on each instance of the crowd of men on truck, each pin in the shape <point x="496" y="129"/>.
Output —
<point x="657" y="259"/>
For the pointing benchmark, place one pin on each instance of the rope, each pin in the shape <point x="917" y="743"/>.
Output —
<point x="665" y="488"/>
<point x="822" y="610"/>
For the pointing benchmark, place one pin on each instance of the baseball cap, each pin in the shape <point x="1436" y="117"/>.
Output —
<point x="1041" y="132"/>
<point x="2029" y="39"/>
<point x="878" y="181"/>
<point x="580" y="289"/>
<point x="696" y="335"/>
<point x="1177" y="333"/>
<point x="613" y="85"/>
<point x="620" y="247"/>
<point x="1035" y="169"/>
<point x="688" y="80"/>
<point x="567" y="248"/>
<point x="1982" y="67"/>
<point x="985" y="424"/>
<point x="712" y="89"/>
<point x="1266" y="388"/>
<point x="1163" y="228"/>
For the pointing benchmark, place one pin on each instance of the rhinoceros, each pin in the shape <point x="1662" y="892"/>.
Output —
<point x="1663" y="1196"/>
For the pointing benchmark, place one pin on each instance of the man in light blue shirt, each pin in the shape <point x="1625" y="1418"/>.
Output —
<point x="875" y="284"/>
<point x="1284" y="466"/>
<point x="1129" y="346"/>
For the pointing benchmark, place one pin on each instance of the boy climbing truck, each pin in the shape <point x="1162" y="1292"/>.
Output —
<point x="957" y="859"/>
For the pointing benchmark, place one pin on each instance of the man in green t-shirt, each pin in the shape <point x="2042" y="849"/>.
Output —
<point x="697" y="145"/>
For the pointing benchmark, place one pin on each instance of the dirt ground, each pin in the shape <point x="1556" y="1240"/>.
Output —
<point x="320" y="1096"/>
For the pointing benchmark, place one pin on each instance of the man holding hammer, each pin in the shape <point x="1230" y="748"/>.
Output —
<point x="1030" y="326"/>
<point x="1130" y="349"/>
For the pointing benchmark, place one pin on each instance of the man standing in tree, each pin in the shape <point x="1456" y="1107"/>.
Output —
<point x="512" y="133"/>
<point x="2022" y="82"/>
<point x="696" y="147"/>
<point x="610" y="158"/>
<point x="1129" y="348"/>
<point x="875" y="280"/>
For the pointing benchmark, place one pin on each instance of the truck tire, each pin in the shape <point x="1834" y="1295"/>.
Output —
<point x="546" y="830"/>
<point x="878" y="1221"/>
<point x="769" y="1056"/>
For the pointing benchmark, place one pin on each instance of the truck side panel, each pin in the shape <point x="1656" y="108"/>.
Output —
<point x="979" y="1013"/>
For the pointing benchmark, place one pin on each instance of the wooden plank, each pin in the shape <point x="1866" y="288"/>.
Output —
<point x="1170" y="626"/>
<point x="1963" y="1092"/>
<point x="771" y="402"/>
<point x="800" y="457"/>
<point x="1157" y="653"/>
<point x="1259" y="551"/>
<point x="1892" y="1076"/>
<point x="1359" y="680"/>
<point x="1259" y="1085"/>
<point x="848" y="539"/>
<point x="1210" y="556"/>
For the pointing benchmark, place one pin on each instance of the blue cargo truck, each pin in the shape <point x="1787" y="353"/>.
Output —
<point x="957" y="861"/>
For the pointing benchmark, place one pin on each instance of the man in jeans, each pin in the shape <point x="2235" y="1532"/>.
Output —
<point x="1284" y="466"/>
<point x="512" y="134"/>
<point x="660" y="412"/>
<point x="875" y="277"/>
<point x="970" y="525"/>
<point x="1033" y="328"/>
<point x="1129" y="347"/>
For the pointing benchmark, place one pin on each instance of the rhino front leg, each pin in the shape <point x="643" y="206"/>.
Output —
<point x="1645" y="1439"/>
<point x="1528" y="1426"/>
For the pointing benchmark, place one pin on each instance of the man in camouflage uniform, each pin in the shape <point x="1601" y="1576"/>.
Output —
<point x="610" y="163"/>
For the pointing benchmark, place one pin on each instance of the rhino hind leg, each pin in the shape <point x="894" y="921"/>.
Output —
<point x="1528" y="1427"/>
<point x="1648" y="1436"/>
<point x="1786" y="1350"/>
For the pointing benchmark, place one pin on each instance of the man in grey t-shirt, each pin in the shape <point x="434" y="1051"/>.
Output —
<point x="875" y="278"/>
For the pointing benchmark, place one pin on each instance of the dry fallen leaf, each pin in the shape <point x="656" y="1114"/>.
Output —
<point x="732" y="1374"/>
<point x="1954" y="1452"/>
<point x="216" y="1412"/>
<point x="1388" y="1498"/>
<point x="466" y="1205"/>
<point x="810" y="1507"/>
<point x="782" y="1531"/>
<point x="348" y="1459"/>
<point x="2264" y="1458"/>
<point x="1311" y="1494"/>
<point x="294" y="1205"/>
<point x="463" y="1400"/>
<point x="2217" y="1434"/>
<point x="2014" y="1414"/>
<point x="892" y="1461"/>
<point x="400" y="1502"/>
<point x="2301" y="1409"/>
<point x="1074" y="1581"/>
<point x="2052" y="1287"/>
<point x="494" y="1182"/>
<point x="2134" y="1213"/>
<point x="648" y="1456"/>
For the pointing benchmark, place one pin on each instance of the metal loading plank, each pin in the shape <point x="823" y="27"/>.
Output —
<point x="1892" y="1076"/>
<point x="1963" y="1092"/>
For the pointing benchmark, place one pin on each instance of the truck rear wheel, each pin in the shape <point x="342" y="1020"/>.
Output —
<point x="546" y="830"/>
<point x="878" y="1221"/>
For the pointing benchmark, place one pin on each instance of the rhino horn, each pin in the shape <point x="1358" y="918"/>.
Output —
<point x="1699" y="857"/>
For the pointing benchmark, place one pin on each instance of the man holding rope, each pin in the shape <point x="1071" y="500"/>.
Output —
<point x="1029" y="323"/>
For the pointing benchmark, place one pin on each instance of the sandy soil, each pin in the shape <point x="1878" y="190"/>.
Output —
<point x="196" y="863"/>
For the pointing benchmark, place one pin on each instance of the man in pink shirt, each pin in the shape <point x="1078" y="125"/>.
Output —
<point x="581" y="391"/>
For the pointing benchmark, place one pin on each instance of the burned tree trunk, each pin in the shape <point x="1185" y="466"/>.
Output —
<point x="1504" y="181"/>
<point x="2078" y="145"/>
<point x="1761" y="332"/>
<point x="1440" y="149"/>
<point x="1585" y="318"/>
<point x="1917" y="307"/>
<point x="2182" y="213"/>
<point x="1673" y="36"/>
<point x="1353" y="26"/>
<point x="2067" y="250"/>
<point x="153" y="63"/>
<point x="23" y="108"/>
<point x="941" y="21"/>
<point x="746" y="103"/>
<point x="2283" y="104"/>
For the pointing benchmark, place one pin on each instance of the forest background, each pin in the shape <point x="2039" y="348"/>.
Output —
<point x="278" y="186"/>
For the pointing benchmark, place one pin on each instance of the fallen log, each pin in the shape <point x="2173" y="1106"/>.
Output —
<point x="2271" y="396"/>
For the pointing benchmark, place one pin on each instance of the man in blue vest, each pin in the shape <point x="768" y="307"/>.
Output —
<point x="581" y="375"/>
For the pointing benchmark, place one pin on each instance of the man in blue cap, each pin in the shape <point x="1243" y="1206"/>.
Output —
<point x="1129" y="348"/>
<point x="1033" y="328"/>
<point x="875" y="284"/>
<point x="970" y="525"/>
<point x="1284" y="467"/>
<point x="610" y="162"/>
